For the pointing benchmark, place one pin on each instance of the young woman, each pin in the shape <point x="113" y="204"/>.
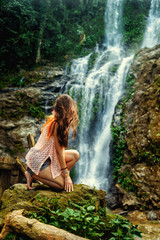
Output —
<point x="48" y="161"/>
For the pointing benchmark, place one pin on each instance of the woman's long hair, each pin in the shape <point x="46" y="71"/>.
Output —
<point x="65" y="113"/>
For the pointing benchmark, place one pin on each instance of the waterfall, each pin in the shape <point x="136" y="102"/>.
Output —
<point x="113" y="21"/>
<point x="97" y="92"/>
<point x="152" y="33"/>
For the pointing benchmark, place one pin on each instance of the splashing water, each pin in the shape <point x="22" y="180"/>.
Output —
<point x="152" y="33"/>
<point x="97" y="92"/>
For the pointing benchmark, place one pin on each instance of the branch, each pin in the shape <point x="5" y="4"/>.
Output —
<point x="34" y="229"/>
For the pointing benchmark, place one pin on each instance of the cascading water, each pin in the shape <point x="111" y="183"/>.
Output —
<point x="152" y="33"/>
<point x="97" y="91"/>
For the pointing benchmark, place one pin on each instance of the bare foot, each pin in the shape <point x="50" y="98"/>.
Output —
<point x="29" y="180"/>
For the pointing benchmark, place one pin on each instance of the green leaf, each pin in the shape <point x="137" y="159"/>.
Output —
<point x="137" y="235"/>
<point x="74" y="228"/>
<point x="126" y="226"/>
<point x="90" y="208"/>
<point x="101" y="223"/>
<point x="116" y="221"/>
<point x="115" y="234"/>
<point x="88" y="219"/>
<point x="69" y="211"/>
<point x="119" y="232"/>
<point x="96" y="219"/>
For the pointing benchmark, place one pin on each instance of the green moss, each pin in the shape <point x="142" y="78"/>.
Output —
<point x="36" y="111"/>
<point x="113" y="69"/>
<point x="95" y="107"/>
<point x="16" y="148"/>
<point x="127" y="182"/>
<point x="23" y="106"/>
<point x="92" y="60"/>
<point x="134" y="22"/>
<point x="83" y="218"/>
<point x="151" y="154"/>
<point x="18" y="79"/>
<point x="130" y="80"/>
<point x="82" y="212"/>
<point x="119" y="142"/>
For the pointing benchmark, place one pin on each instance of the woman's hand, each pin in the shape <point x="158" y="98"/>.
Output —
<point x="68" y="185"/>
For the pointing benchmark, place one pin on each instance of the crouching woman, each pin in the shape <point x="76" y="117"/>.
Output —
<point x="48" y="161"/>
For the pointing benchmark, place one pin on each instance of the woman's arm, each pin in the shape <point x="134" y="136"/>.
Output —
<point x="61" y="157"/>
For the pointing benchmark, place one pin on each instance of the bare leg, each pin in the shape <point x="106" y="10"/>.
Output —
<point x="29" y="180"/>
<point x="71" y="157"/>
<point x="48" y="182"/>
<point x="45" y="176"/>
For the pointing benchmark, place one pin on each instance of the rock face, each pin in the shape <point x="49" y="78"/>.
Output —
<point x="141" y="159"/>
<point x="22" y="112"/>
<point x="16" y="120"/>
<point x="22" y="109"/>
<point x="142" y="112"/>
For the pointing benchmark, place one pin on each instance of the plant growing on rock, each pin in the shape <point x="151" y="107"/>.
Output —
<point x="119" y="143"/>
<point x="85" y="220"/>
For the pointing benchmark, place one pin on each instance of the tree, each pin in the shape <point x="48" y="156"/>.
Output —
<point x="42" y="28"/>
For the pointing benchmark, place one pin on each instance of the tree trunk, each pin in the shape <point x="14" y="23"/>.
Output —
<point x="34" y="229"/>
<point x="42" y="27"/>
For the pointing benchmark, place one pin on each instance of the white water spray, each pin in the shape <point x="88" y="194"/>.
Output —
<point x="98" y="92"/>
<point x="152" y="33"/>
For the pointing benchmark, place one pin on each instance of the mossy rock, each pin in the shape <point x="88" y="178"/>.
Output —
<point x="17" y="197"/>
<point x="82" y="212"/>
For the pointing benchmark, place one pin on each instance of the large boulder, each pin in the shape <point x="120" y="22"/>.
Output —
<point x="22" y="110"/>
<point x="18" y="197"/>
<point x="142" y="112"/>
<point x="18" y="118"/>
<point x="138" y="176"/>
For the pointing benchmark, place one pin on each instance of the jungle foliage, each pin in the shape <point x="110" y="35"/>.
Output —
<point x="36" y="31"/>
<point x="85" y="220"/>
<point x="54" y="30"/>
<point x="134" y="21"/>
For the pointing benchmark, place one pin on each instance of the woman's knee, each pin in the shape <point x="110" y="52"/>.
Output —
<point x="59" y="181"/>
<point x="61" y="185"/>
<point x="76" y="155"/>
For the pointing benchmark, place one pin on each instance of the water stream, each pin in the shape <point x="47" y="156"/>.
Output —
<point x="97" y="91"/>
<point x="152" y="33"/>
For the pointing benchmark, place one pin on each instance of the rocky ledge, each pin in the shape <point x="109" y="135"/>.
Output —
<point x="81" y="212"/>
<point x="18" y="197"/>
<point x="139" y="175"/>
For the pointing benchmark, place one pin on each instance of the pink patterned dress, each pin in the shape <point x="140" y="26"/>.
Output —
<point x="44" y="149"/>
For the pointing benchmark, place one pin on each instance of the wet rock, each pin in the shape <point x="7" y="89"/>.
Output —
<point x="16" y="122"/>
<point x="152" y="215"/>
<point x="114" y="198"/>
<point x="137" y="216"/>
<point x="150" y="231"/>
<point x="141" y="120"/>
<point x="146" y="183"/>
<point x="142" y="114"/>
<point x="128" y="200"/>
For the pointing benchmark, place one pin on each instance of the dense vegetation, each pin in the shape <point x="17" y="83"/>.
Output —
<point x="36" y="31"/>
<point x="134" y="22"/>
<point x="84" y="219"/>
<point x="119" y="143"/>
<point x="53" y="30"/>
